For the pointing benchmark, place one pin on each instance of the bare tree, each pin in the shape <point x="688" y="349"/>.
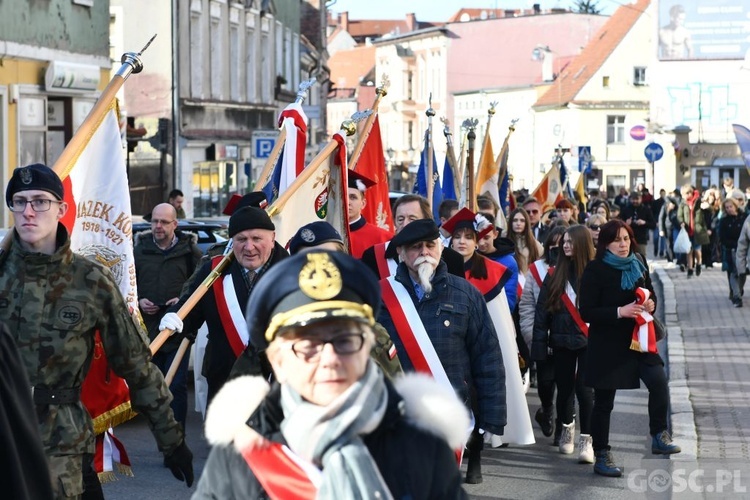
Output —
<point x="587" y="6"/>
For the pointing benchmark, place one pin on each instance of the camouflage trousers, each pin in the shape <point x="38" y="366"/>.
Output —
<point x="73" y="477"/>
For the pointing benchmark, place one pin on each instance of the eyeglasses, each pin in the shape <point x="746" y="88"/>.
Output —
<point x="309" y="349"/>
<point x="532" y="211"/>
<point x="37" y="204"/>
<point x="595" y="227"/>
<point x="163" y="222"/>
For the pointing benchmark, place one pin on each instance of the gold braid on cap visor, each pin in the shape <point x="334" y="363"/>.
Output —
<point x="319" y="310"/>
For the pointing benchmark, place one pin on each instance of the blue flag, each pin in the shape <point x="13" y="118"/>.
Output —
<point x="271" y="189"/>
<point x="449" y="188"/>
<point x="420" y="186"/>
<point x="565" y="180"/>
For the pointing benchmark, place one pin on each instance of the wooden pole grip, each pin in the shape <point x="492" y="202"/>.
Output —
<point x="184" y="346"/>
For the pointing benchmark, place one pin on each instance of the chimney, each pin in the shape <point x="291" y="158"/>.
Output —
<point x="548" y="69"/>
<point x="344" y="21"/>
<point x="537" y="9"/>
<point x="411" y="22"/>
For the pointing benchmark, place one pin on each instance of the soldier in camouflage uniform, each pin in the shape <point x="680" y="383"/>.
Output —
<point x="53" y="301"/>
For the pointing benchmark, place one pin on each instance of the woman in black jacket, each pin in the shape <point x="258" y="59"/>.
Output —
<point x="558" y="325"/>
<point x="730" y="227"/>
<point x="609" y="288"/>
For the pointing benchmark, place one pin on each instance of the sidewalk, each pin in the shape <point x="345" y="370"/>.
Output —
<point x="709" y="358"/>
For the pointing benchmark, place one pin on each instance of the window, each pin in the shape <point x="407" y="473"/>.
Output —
<point x="250" y="49"/>
<point x="605" y="82"/>
<point x="639" y="75"/>
<point x="615" y="129"/>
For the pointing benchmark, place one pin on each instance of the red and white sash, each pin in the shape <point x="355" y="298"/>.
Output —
<point x="231" y="314"/>
<point x="644" y="334"/>
<point x="283" y="474"/>
<point x="414" y="338"/>
<point x="538" y="270"/>
<point x="386" y="267"/>
<point x="411" y="331"/>
<point x="521" y="284"/>
<point x="569" y="299"/>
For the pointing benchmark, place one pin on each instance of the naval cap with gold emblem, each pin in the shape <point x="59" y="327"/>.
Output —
<point x="310" y="287"/>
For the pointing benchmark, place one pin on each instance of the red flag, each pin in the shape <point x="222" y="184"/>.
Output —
<point x="371" y="164"/>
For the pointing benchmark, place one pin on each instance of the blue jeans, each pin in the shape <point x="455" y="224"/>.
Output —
<point x="660" y="244"/>
<point x="178" y="387"/>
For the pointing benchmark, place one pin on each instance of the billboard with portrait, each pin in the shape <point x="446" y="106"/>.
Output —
<point x="703" y="29"/>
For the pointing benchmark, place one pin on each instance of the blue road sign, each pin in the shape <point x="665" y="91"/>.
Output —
<point x="653" y="152"/>
<point x="263" y="143"/>
<point x="584" y="159"/>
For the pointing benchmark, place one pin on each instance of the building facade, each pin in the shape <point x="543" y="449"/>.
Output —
<point x="55" y="60"/>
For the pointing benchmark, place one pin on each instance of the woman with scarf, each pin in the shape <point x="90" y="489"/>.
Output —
<point x="617" y="300"/>
<point x="331" y="426"/>
<point x="558" y="325"/>
<point x="489" y="277"/>
<point x="690" y="217"/>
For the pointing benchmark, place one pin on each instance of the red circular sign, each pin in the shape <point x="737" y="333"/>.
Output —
<point x="638" y="132"/>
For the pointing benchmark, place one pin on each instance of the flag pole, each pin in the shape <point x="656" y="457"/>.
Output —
<point x="490" y="114"/>
<point x="461" y="173"/>
<point x="457" y="181"/>
<point x="349" y="128"/>
<point x="380" y="92"/>
<point x="131" y="63"/>
<point x="429" y="176"/>
<point x="501" y="165"/>
<point x="193" y="300"/>
<point x="281" y="139"/>
<point x="471" y="201"/>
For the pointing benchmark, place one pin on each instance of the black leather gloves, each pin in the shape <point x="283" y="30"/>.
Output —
<point x="180" y="462"/>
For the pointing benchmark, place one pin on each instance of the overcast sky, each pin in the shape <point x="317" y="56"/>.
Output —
<point x="441" y="10"/>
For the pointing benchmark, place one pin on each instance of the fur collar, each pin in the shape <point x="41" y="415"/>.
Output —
<point x="428" y="406"/>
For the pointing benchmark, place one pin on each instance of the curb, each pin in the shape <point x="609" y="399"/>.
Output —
<point x="683" y="420"/>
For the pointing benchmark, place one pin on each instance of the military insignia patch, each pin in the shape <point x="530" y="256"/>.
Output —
<point x="320" y="279"/>
<point x="26" y="176"/>
<point x="307" y="235"/>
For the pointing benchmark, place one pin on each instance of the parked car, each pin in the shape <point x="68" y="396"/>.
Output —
<point x="209" y="233"/>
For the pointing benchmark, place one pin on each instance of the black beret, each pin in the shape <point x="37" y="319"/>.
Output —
<point x="252" y="199"/>
<point x="32" y="177"/>
<point x="419" y="230"/>
<point x="313" y="234"/>
<point x="249" y="218"/>
<point x="311" y="287"/>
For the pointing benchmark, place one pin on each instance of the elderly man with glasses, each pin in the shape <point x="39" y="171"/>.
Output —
<point x="53" y="302"/>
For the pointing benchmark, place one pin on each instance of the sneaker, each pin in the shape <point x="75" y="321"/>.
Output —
<point x="605" y="464"/>
<point x="544" y="418"/>
<point x="737" y="303"/>
<point x="661" y="444"/>
<point x="682" y="268"/>
<point x="585" y="449"/>
<point x="567" y="438"/>
<point x="690" y="273"/>
<point x="698" y="270"/>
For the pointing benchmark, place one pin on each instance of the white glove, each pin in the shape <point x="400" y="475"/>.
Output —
<point x="171" y="321"/>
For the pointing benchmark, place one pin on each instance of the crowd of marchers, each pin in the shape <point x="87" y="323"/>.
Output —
<point x="327" y="355"/>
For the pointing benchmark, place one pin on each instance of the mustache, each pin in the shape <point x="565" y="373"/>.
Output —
<point x="425" y="259"/>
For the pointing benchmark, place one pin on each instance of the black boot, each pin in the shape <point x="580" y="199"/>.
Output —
<point x="474" y="451"/>
<point x="544" y="418"/>
<point x="605" y="464"/>
<point x="558" y="432"/>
